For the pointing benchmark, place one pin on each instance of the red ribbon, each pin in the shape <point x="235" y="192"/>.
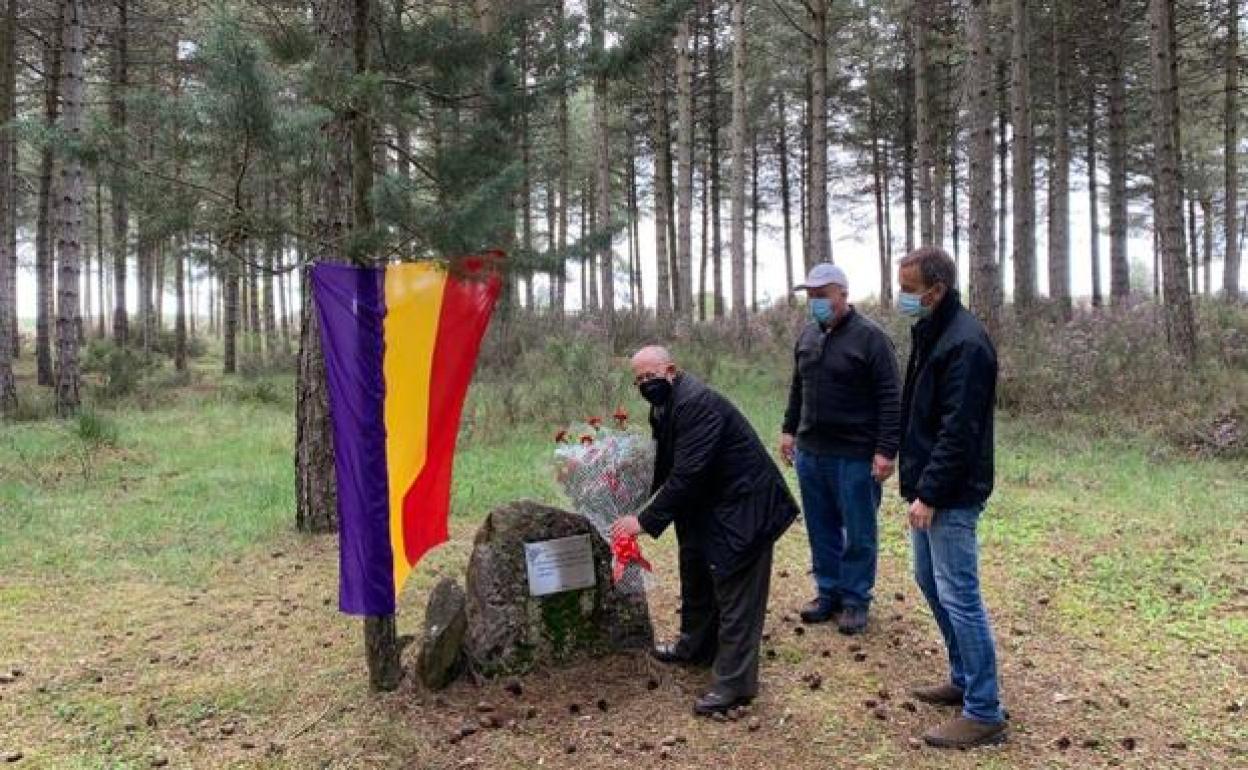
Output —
<point x="626" y="552"/>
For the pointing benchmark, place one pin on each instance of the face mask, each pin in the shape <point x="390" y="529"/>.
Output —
<point x="912" y="305"/>
<point x="821" y="309"/>
<point x="657" y="391"/>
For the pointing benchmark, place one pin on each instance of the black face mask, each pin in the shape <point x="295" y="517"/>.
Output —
<point x="657" y="391"/>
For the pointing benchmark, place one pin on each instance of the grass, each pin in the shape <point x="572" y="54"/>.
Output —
<point x="159" y="606"/>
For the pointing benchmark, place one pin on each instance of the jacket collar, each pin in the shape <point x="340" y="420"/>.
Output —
<point x="930" y="328"/>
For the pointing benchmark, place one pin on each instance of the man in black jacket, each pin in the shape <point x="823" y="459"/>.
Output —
<point x="841" y="431"/>
<point x="946" y="474"/>
<point x="729" y="502"/>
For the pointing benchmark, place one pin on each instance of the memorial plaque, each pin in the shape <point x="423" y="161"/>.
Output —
<point x="563" y="564"/>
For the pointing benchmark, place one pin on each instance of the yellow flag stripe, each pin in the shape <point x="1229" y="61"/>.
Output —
<point x="413" y="306"/>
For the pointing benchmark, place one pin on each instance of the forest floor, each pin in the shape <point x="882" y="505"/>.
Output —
<point x="157" y="609"/>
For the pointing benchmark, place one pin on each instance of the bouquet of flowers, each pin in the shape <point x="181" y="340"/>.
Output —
<point x="606" y="474"/>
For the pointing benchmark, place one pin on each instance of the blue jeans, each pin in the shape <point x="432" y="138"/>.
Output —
<point x="946" y="567"/>
<point x="840" y="501"/>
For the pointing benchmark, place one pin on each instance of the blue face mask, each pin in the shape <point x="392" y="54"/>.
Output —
<point x="821" y="309"/>
<point x="912" y="305"/>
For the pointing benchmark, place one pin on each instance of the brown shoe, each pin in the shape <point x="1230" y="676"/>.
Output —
<point x="940" y="695"/>
<point x="963" y="733"/>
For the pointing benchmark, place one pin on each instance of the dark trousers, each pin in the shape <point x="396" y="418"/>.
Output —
<point x="721" y="617"/>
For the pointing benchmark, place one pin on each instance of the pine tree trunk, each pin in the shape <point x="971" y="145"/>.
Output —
<point x="1231" y="267"/>
<point x="44" y="236"/>
<point x="923" y="120"/>
<point x="117" y="180"/>
<point x="1059" y="172"/>
<point x="738" y="163"/>
<point x="99" y="255"/>
<point x="660" y="138"/>
<point x="1094" y="229"/>
<point x="602" y="160"/>
<point x="1168" y="198"/>
<point x="1193" y="246"/>
<point x="908" y="138"/>
<point x="705" y="300"/>
<point x="1206" y="218"/>
<point x="1119" y="270"/>
<point x="954" y="224"/>
<point x="682" y="277"/>
<point x="560" y="288"/>
<point x="179" y="318"/>
<point x="526" y="166"/>
<point x="713" y="160"/>
<point x="804" y="181"/>
<point x="229" y="312"/>
<point x="1024" y="209"/>
<point x="69" y="214"/>
<point x="8" y="225"/>
<point x="820" y="234"/>
<point x="877" y="188"/>
<point x="754" y="206"/>
<point x="1003" y="172"/>
<point x="639" y="293"/>
<point x="782" y="151"/>
<point x="333" y="217"/>
<point x="984" y="295"/>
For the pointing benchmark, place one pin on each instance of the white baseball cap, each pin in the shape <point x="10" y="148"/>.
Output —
<point x="823" y="274"/>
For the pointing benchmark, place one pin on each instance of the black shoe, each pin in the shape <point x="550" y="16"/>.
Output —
<point x="715" y="702"/>
<point x="671" y="652"/>
<point x="821" y="609"/>
<point x="853" y="620"/>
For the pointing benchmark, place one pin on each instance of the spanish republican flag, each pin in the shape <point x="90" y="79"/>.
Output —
<point x="400" y="345"/>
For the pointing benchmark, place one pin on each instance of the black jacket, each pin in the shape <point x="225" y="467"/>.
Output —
<point x="845" y="397"/>
<point x="715" y="479"/>
<point x="947" y="410"/>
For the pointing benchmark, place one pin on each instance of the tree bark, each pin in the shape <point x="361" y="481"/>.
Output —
<point x="713" y="161"/>
<point x="1231" y="267"/>
<point x="1024" y="209"/>
<point x="1168" y="198"/>
<point x="1059" y="171"/>
<point x="1206" y="218"/>
<point x="602" y="159"/>
<point x="1094" y="229"/>
<point x="984" y="296"/>
<point x="877" y="187"/>
<point x="117" y="176"/>
<point x="69" y="214"/>
<point x="1003" y="169"/>
<point x="782" y="151"/>
<point x="333" y="219"/>
<point x="44" y="237"/>
<point x="8" y="188"/>
<point x="560" y="288"/>
<point x="661" y="140"/>
<point x="1119" y="270"/>
<point x="683" y="277"/>
<point x="908" y="139"/>
<point x="820" y="234"/>
<point x="923" y="120"/>
<point x="738" y="163"/>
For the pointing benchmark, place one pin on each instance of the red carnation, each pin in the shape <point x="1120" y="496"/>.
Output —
<point x="587" y="439"/>
<point x="595" y="422"/>
<point x="621" y="416"/>
<point x="561" y="436"/>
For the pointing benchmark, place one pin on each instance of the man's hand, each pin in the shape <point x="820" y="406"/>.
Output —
<point x="881" y="468"/>
<point x="921" y="515"/>
<point x="627" y="526"/>
<point x="786" y="448"/>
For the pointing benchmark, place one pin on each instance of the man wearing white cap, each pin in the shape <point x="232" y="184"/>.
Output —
<point x="841" y="430"/>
